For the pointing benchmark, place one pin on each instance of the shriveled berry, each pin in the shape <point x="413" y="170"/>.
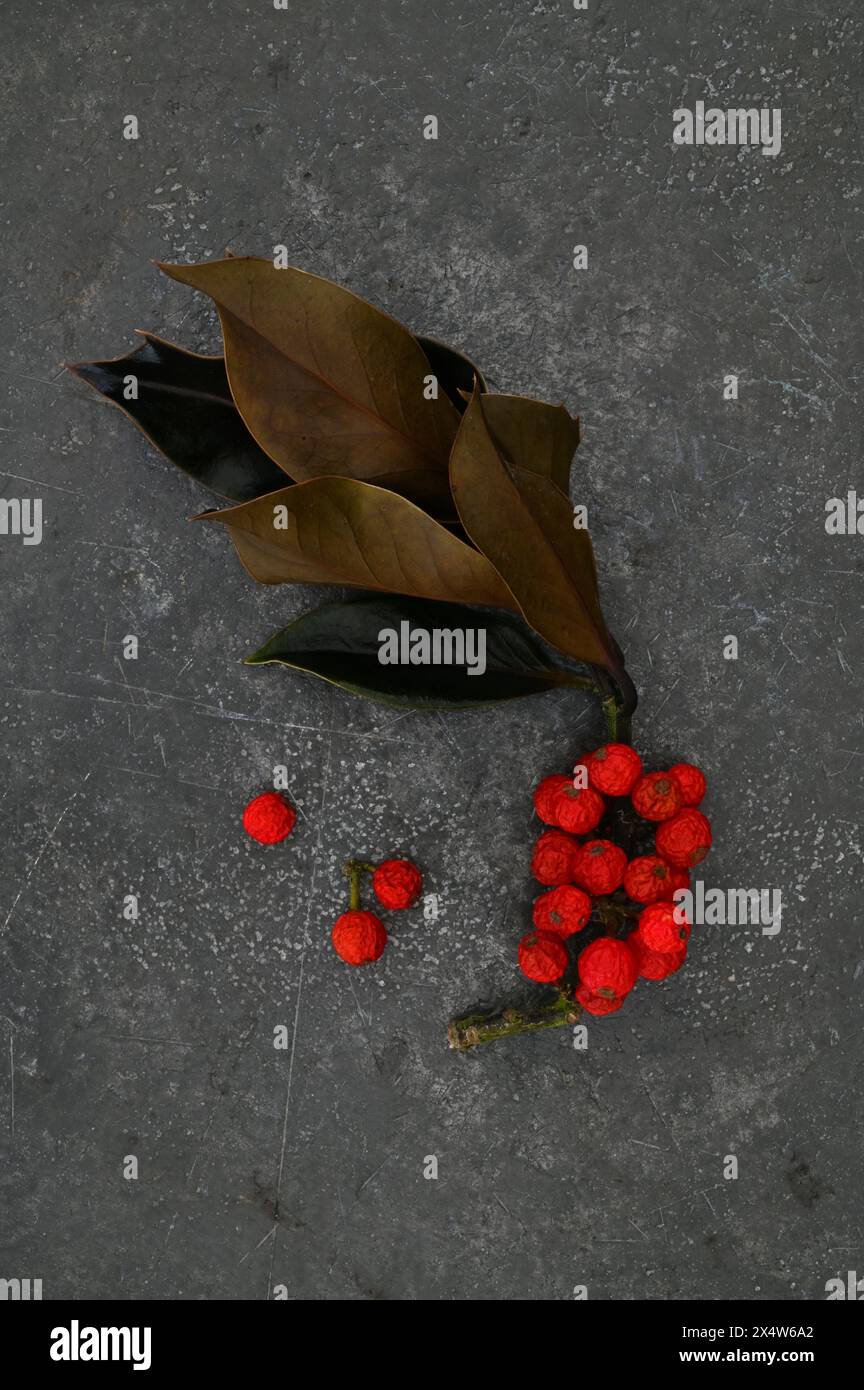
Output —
<point x="269" y="818"/>
<point x="659" y="929"/>
<point x="656" y="965"/>
<point x="397" y="883"/>
<point x="614" y="769"/>
<point x="545" y="793"/>
<point x="358" y="937"/>
<point x="554" y="858"/>
<point x="596" y="1004"/>
<point x="656" y="796"/>
<point x="542" y="956"/>
<point x="691" y="781"/>
<point x="600" y="866"/>
<point x="685" y="839"/>
<point x="578" y="809"/>
<point x="648" y="879"/>
<point x="608" y="967"/>
<point x="562" y="911"/>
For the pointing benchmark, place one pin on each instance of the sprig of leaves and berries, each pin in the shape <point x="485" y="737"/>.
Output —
<point x="355" y="453"/>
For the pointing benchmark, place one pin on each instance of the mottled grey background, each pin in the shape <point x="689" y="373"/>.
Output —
<point x="154" y="1037"/>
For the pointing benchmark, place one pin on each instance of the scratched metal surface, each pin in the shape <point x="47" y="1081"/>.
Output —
<point x="302" y="1169"/>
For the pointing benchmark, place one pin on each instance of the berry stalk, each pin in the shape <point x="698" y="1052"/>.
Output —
<point x="490" y="1025"/>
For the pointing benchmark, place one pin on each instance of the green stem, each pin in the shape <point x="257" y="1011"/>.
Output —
<point x="474" y="1029"/>
<point x="352" y="869"/>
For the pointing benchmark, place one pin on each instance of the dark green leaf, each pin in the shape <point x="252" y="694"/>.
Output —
<point x="455" y="372"/>
<point x="185" y="408"/>
<point x="340" y="642"/>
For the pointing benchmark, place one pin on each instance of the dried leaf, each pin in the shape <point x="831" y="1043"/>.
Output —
<point x="327" y="383"/>
<point x="534" y="435"/>
<point x="524" y="525"/>
<point x="342" y="531"/>
<point x="186" y="410"/>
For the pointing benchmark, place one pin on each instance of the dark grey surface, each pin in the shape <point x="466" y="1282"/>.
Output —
<point x="154" y="1038"/>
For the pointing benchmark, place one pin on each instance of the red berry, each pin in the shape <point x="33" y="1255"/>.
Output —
<point x="578" y="809"/>
<point x="685" y="839"/>
<point x="269" y="818"/>
<point x="542" y="957"/>
<point x="656" y="796"/>
<point x="554" y="858"/>
<point x="596" y="1004"/>
<point x="614" y="768"/>
<point x="608" y="967"/>
<point x="691" y="782"/>
<point x="397" y="883"/>
<point x="648" y="879"/>
<point x="660" y="930"/>
<point x="544" y="796"/>
<point x="358" y="937"/>
<point x="600" y="866"/>
<point x="562" y="910"/>
<point x="680" y="879"/>
<point x="656" y="965"/>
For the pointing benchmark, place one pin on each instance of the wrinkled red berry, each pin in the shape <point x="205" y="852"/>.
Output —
<point x="614" y="769"/>
<point x="545" y="793"/>
<point x="608" y="967"/>
<point x="659" y="930"/>
<point x="685" y="839"/>
<point x="358" y="937"/>
<point x="578" y="809"/>
<point x="600" y="866"/>
<point x="691" y="781"/>
<point x="397" y="883"/>
<point x="656" y="796"/>
<point x="554" y="858"/>
<point x="656" y="965"/>
<point x="648" y="879"/>
<point x="562" y="910"/>
<point x="542" y="957"/>
<point x="269" y="818"/>
<point x="596" y="1004"/>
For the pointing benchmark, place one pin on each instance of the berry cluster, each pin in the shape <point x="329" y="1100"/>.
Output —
<point x="591" y="878"/>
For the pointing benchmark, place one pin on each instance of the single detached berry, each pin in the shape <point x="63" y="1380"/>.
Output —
<point x="562" y="910"/>
<point x="578" y="809"/>
<point x="648" y="879"/>
<point x="656" y="796"/>
<point x="358" y="937"/>
<point x="554" y="858"/>
<point x="614" y="769"/>
<point x="269" y="818"/>
<point x="596" y="1004"/>
<point x="658" y="929"/>
<point x="656" y="965"/>
<point x="545" y="793"/>
<point x="600" y="866"/>
<point x="691" y="781"/>
<point x="608" y="967"/>
<point x="685" y="839"/>
<point x="397" y="883"/>
<point x="542" y="956"/>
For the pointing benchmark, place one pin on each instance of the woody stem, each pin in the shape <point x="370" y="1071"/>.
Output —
<point x="483" y="1027"/>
